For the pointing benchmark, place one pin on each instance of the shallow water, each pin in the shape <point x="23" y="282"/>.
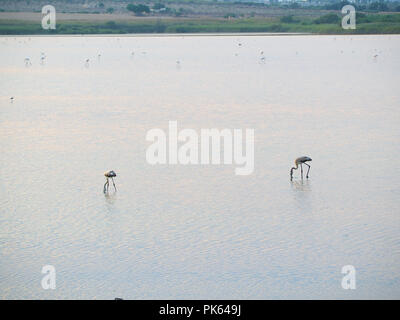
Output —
<point x="197" y="232"/>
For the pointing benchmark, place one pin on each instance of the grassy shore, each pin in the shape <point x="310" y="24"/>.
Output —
<point x="326" y="24"/>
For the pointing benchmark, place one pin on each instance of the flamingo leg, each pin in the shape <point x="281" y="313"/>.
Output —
<point x="308" y="169"/>
<point x="301" y="166"/>
<point x="106" y="186"/>
<point x="114" y="184"/>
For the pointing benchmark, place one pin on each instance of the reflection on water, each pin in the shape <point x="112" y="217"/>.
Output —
<point x="196" y="232"/>
<point x="301" y="185"/>
<point x="110" y="197"/>
<point x="302" y="195"/>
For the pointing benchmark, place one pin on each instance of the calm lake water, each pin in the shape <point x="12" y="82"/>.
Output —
<point x="200" y="231"/>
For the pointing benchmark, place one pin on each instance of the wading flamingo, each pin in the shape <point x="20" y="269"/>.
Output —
<point x="300" y="161"/>
<point x="27" y="62"/>
<point x="109" y="174"/>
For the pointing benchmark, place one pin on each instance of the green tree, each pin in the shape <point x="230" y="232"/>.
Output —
<point x="378" y="6"/>
<point x="328" y="18"/>
<point x="138" y="9"/>
<point x="337" y="5"/>
<point x="158" y="6"/>
<point x="288" y="19"/>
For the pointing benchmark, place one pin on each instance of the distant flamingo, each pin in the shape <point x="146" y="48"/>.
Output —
<point x="27" y="62"/>
<point x="262" y="58"/>
<point x="300" y="161"/>
<point x="109" y="174"/>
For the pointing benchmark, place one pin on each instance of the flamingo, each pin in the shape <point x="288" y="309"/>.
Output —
<point x="109" y="174"/>
<point x="262" y="58"/>
<point x="300" y="161"/>
<point x="28" y="62"/>
<point x="12" y="99"/>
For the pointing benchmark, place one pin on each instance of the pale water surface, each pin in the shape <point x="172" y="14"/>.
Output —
<point x="196" y="232"/>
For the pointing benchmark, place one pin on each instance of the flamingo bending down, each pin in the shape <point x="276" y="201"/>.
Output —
<point x="109" y="174"/>
<point x="300" y="161"/>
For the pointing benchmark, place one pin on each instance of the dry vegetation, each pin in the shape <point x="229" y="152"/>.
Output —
<point x="106" y="16"/>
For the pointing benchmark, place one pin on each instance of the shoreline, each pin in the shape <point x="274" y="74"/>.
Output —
<point x="94" y="24"/>
<point x="180" y="35"/>
<point x="167" y="35"/>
